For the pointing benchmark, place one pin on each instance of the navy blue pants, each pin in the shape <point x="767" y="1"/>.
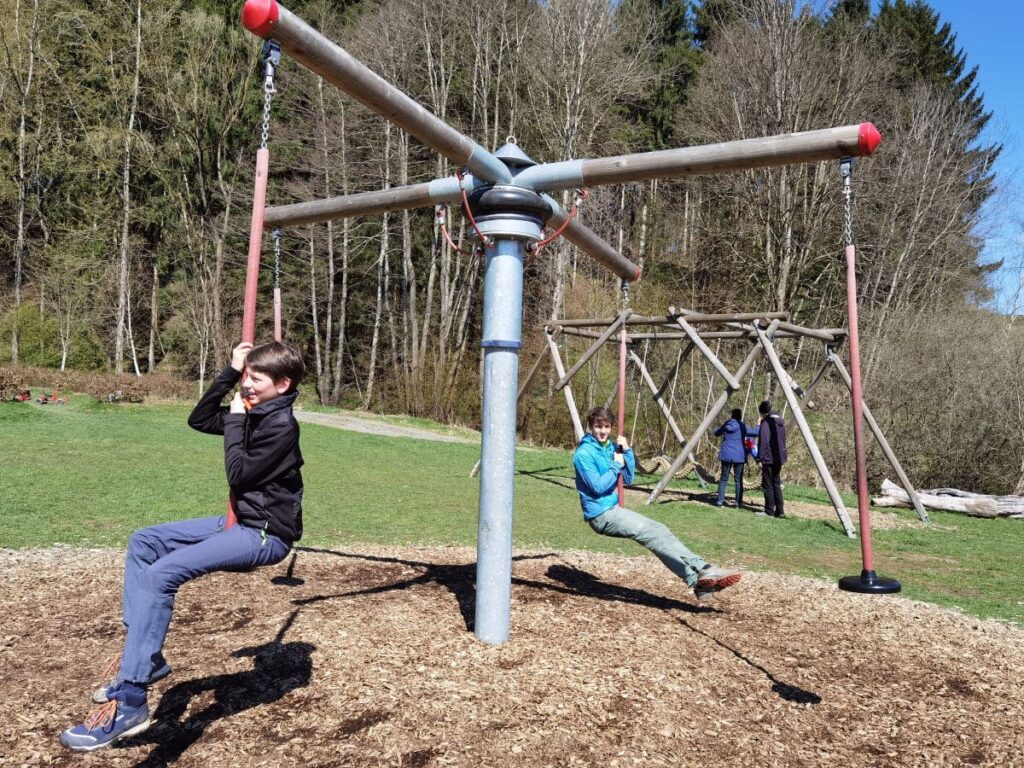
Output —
<point x="163" y="557"/>
<point x="737" y="469"/>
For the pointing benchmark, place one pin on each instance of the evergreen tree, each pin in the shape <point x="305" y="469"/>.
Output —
<point x="927" y="52"/>
<point x="676" y="61"/>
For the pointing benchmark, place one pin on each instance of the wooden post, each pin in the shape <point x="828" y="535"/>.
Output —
<point x="810" y="389"/>
<point x="886" y="448"/>
<point x="566" y="378"/>
<point x="805" y="431"/>
<point x="711" y="415"/>
<point x="706" y="351"/>
<point x="656" y="394"/>
<point x="621" y="484"/>
<point x="574" y="414"/>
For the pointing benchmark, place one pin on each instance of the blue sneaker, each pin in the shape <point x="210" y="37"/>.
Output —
<point x="126" y="714"/>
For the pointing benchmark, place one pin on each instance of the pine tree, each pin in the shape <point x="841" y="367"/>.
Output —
<point x="676" y="61"/>
<point x="927" y="52"/>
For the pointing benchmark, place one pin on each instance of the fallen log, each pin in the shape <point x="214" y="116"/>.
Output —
<point x="953" y="500"/>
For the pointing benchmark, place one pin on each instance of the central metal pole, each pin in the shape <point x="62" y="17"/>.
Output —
<point x="503" y="310"/>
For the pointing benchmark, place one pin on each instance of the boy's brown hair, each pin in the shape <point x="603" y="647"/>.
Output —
<point x="277" y="361"/>
<point x="599" y="414"/>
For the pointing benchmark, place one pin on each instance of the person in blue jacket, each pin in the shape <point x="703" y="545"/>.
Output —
<point x="262" y="461"/>
<point x="599" y="463"/>
<point x="733" y="454"/>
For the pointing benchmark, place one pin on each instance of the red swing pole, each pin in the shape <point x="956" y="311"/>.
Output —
<point x="252" y="269"/>
<point x="868" y="582"/>
<point x="271" y="56"/>
<point x="622" y="389"/>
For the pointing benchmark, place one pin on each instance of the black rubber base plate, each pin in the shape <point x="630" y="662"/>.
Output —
<point x="869" y="584"/>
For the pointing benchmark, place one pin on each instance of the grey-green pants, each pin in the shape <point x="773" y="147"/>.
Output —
<point x="627" y="524"/>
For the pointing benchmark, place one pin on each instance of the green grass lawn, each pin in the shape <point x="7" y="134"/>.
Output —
<point x="87" y="474"/>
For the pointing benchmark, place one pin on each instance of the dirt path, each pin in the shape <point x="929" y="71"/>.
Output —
<point x="363" y="656"/>
<point x="376" y="427"/>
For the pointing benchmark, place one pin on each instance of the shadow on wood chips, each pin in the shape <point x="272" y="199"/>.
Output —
<point x="364" y="656"/>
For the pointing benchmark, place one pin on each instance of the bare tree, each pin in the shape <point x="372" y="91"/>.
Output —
<point x="21" y="56"/>
<point x="126" y="203"/>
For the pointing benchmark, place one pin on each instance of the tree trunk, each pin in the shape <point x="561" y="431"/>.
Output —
<point x="23" y="109"/>
<point x="339" y="350"/>
<point x="122" y="271"/>
<point x="154" y="320"/>
<point x="379" y="309"/>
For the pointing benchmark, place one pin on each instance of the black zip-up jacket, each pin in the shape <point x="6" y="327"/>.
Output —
<point x="261" y="457"/>
<point x="771" y="444"/>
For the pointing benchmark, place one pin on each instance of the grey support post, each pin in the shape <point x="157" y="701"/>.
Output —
<point x="507" y="218"/>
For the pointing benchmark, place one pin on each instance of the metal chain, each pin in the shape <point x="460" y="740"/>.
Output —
<point x="625" y="295"/>
<point x="846" y="170"/>
<point x="271" y="58"/>
<point x="276" y="234"/>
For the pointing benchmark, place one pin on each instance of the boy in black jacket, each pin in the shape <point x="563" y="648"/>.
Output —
<point x="264" y="519"/>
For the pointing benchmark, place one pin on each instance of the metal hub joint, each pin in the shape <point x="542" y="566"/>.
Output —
<point x="510" y="212"/>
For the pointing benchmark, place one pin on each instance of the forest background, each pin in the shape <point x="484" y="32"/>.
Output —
<point x="129" y="134"/>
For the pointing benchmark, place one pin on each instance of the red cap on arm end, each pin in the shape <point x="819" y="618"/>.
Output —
<point x="868" y="139"/>
<point x="260" y="16"/>
<point x="636" y="277"/>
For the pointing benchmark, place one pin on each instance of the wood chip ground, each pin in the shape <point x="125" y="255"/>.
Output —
<point x="363" y="656"/>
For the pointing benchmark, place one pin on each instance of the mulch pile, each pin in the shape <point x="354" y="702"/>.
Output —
<point x="361" y="656"/>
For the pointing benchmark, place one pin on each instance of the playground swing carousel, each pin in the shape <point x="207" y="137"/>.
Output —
<point x="505" y="193"/>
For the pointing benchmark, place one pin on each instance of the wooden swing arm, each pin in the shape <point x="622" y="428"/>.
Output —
<point x="740" y="332"/>
<point x="890" y="454"/>
<point x="570" y="401"/>
<point x="705" y="350"/>
<point x="674" y="370"/>
<point x="827" y="335"/>
<point x="702" y="318"/>
<point x="710" y="416"/>
<point x="541" y="357"/>
<point x="657" y="395"/>
<point x="609" y="332"/>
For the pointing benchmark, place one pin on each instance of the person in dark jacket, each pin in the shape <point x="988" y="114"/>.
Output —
<point x="733" y="454"/>
<point x="598" y="463"/>
<point x="262" y="461"/>
<point x="771" y="453"/>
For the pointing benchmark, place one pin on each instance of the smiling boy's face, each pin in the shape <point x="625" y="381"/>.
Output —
<point x="602" y="430"/>
<point x="261" y="388"/>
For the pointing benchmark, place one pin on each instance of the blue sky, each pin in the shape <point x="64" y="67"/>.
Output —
<point x="989" y="32"/>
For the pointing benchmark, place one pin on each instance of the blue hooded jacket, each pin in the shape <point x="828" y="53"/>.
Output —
<point x="597" y="475"/>
<point x="732" y="444"/>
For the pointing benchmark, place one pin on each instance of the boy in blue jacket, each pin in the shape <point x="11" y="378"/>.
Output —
<point x="598" y="463"/>
<point x="262" y="461"/>
<point x="733" y="454"/>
